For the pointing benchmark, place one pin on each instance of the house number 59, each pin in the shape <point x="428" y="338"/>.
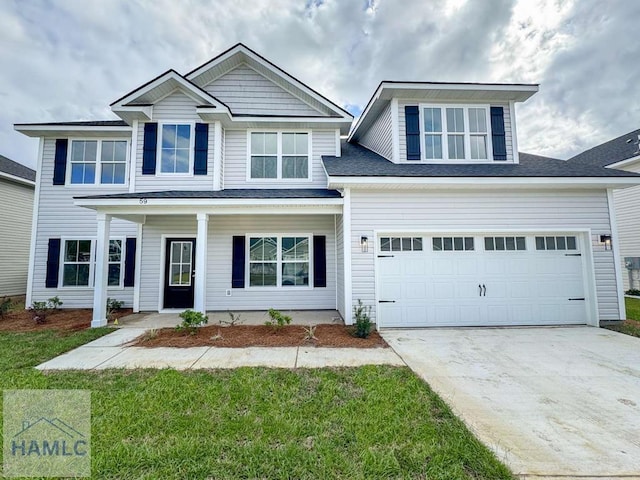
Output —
<point x="143" y="201"/>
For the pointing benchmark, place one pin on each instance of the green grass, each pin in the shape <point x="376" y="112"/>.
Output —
<point x="369" y="422"/>
<point x="631" y="326"/>
<point x="633" y="308"/>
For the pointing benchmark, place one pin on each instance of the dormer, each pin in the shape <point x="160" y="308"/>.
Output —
<point x="432" y="122"/>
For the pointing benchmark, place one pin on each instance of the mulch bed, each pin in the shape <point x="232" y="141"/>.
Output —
<point x="69" y="320"/>
<point x="239" y="336"/>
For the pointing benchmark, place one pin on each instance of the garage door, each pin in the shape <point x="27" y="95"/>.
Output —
<point x="458" y="280"/>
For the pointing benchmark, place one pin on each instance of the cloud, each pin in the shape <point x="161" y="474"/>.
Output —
<point x="69" y="59"/>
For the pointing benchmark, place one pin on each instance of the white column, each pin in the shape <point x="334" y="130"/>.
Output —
<point x="200" y="287"/>
<point x="346" y="245"/>
<point x="102" y="270"/>
<point x="617" y="260"/>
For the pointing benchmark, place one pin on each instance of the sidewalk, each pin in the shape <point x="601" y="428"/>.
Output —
<point x="111" y="351"/>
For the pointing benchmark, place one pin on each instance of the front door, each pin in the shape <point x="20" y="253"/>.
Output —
<point x="179" y="273"/>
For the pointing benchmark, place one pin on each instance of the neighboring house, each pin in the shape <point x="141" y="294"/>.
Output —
<point x="622" y="153"/>
<point x="229" y="188"/>
<point x="17" y="183"/>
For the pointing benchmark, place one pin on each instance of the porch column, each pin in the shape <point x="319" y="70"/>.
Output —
<point x="102" y="271"/>
<point x="200" y="286"/>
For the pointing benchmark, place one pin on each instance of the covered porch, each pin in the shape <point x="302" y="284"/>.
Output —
<point x="221" y="251"/>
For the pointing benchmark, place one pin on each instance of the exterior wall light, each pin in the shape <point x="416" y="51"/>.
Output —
<point x="606" y="240"/>
<point x="364" y="244"/>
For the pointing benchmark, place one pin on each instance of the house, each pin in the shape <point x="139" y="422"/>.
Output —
<point x="17" y="184"/>
<point x="229" y="188"/>
<point x="622" y="153"/>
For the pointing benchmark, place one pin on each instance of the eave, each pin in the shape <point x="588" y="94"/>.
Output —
<point x="44" y="130"/>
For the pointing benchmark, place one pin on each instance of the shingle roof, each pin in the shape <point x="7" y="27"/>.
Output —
<point x="620" y="148"/>
<point x="16" y="169"/>
<point x="90" y="123"/>
<point x="236" y="193"/>
<point x="358" y="161"/>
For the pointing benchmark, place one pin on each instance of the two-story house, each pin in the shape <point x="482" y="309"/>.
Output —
<point x="229" y="188"/>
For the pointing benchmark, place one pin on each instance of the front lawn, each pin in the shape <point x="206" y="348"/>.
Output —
<point x="369" y="422"/>
<point x="633" y="308"/>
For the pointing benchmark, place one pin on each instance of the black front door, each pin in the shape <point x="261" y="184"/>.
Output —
<point x="179" y="273"/>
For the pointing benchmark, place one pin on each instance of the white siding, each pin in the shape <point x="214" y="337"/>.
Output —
<point x="379" y="137"/>
<point x="442" y="210"/>
<point x="58" y="218"/>
<point x="323" y="142"/>
<point x="15" y="235"/>
<point x="221" y="230"/>
<point x="245" y="91"/>
<point x="403" y="131"/>
<point x="175" y="107"/>
<point x="627" y="207"/>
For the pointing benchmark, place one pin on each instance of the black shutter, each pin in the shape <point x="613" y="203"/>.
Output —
<point x="237" y="269"/>
<point x="319" y="261"/>
<point x="201" y="143"/>
<point x="412" y="127"/>
<point x="498" y="139"/>
<point x="149" y="148"/>
<point x="60" y="161"/>
<point x="53" y="263"/>
<point x="130" y="263"/>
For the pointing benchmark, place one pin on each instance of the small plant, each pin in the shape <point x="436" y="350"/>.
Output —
<point x="310" y="333"/>
<point x="150" y="335"/>
<point x="217" y="336"/>
<point x="191" y="320"/>
<point x="634" y="292"/>
<point x="39" y="311"/>
<point x="113" y="307"/>
<point x="233" y="320"/>
<point x="362" y="315"/>
<point x="55" y="303"/>
<point x="5" y="306"/>
<point x="278" y="320"/>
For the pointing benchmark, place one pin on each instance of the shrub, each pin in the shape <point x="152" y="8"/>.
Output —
<point x="362" y="315"/>
<point x="233" y="320"/>
<point x="39" y="311"/>
<point x="113" y="306"/>
<point x="191" y="320"/>
<point x="310" y="334"/>
<point x="278" y="320"/>
<point x="634" y="291"/>
<point x="55" y="303"/>
<point x="5" y="306"/>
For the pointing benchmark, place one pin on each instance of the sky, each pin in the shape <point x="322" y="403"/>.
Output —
<point x="63" y="60"/>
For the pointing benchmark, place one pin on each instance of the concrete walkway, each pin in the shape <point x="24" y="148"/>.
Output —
<point x="112" y="351"/>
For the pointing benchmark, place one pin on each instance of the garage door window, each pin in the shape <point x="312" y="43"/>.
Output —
<point x="400" y="244"/>
<point x="504" y="243"/>
<point x="556" y="243"/>
<point x="451" y="244"/>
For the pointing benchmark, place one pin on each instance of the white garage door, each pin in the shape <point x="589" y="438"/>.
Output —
<point x="458" y="280"/>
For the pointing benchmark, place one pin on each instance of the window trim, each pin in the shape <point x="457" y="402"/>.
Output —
<point x="98" y="176"/>
<point x="92" y="264"/>
<point x="467" y="133"/>
<point x="278" y="287"/>
<point x="279" y="156"/>
<point x="192" y="149"/>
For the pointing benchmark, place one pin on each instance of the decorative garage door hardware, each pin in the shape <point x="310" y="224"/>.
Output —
<point x="482" y="290"/>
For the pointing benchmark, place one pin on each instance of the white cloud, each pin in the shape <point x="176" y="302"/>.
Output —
<point x="67" y="60"/>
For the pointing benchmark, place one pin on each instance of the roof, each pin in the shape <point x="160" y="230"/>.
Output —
<point x="16" y="169"/>
<point x="90" y="123"/>
<point x="237" y="193"/>
<point x="621" y="148"/>
<point x="358" y="161"/>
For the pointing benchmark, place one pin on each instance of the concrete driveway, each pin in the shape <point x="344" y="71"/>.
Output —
<point x="551" y="402"/>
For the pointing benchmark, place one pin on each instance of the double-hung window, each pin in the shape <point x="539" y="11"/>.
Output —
<point x="455" y="132"/>
<point x="78" y="262"/>
<point x="279" y="261"/>
<point x="279" y="155"/>
<point x="175" y="148"/>
<point x="102" y="162"/>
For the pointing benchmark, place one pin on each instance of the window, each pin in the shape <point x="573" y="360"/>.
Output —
<point x="279" y="155"/>
<point x="279" y="261"/>
<point x="111" y="169"/>
<point x="76" y="263"/>
<point x="453" y="132"/>
<point x="556" y="243"/>
<point x="175" y="148"/>
<point x="504" y="243"/>
<point x="180" y="264"/>
<point x="400" y="244"/>
<point x="115" y="263"/>
<point x="452" y="244"/>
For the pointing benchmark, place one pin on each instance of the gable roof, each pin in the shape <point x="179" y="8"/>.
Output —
<point x="15" y="169"/>
<point x="241" y="54"/>
<point x="624" y="147"/>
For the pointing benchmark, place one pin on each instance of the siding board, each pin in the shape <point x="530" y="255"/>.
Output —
<point x="627" y="208"/>
<point x="378" y="138"/>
